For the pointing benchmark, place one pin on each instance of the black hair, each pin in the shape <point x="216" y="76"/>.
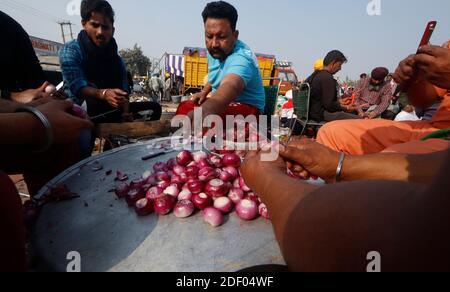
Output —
<point x="221" y="10"/>
<point x="334" y="56"/>
<point x="363" y="75"/>
<point x="100" y="6"/>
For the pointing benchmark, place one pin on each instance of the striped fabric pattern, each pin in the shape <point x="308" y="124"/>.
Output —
<point x="175" y="65"/>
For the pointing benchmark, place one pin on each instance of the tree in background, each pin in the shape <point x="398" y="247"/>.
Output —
<point x="137" y="62"/>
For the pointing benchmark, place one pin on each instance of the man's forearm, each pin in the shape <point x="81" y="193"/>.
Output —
<point x="7" y="106"/>
<point x="20" y="129"/>
<point x="90" y="92"/>
<point x="219" y="102"/>
<point x="207" y="89"/>
<point x="394" y="167"/>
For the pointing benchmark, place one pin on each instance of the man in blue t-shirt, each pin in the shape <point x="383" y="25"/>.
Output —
<point x="234" y="77"/>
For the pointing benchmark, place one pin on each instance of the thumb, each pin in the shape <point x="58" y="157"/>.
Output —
<point x="43" y="86"/>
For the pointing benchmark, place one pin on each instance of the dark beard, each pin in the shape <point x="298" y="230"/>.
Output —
<point x="220" y="52"/>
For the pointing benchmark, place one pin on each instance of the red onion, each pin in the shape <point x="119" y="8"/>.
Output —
<point x="154" y="193"/>
<point x="179" y="170"/>
<point x="184" y="158"/>
<point x="164" y="205"/>
<point x="236" y="184"/>
<point x="176" y="179"/>
<point x="217" y="188"/>
<point x="207" y="174"/>
<point x="216" y="161"/>
<point x="263" y="211"/>
<point x="122" y="190"/>
<point x="236" y="195"/>
<point x="192" y="171"/>
<point x="78" y="111"/>
<point x="252" y="196"/>
<point x="50" y="89"/>
<point x="185" y="195"/>
<point x="223" y="204"/>
<point x="185" y="187"/>
<point x="233" y="171"/>
<point x="162" y="176"/>
<point x="146" y="187"/>
<point x="184" y="209"/>
<point x="160" y="166"/>
<point x="171" y="163"/>
<point x="201" y="201"/>
<point x="120" y="176"/>
<point x="213" y="217"/>
<point x="144" y="207"/>
<point x="147" y="174"/>
<point x="203" y="164"/>
<point x="198" y="156"/>
<point x="138" y="183"/>
<point x="163" y="184"/>
<point x="133" y="196"/>
<point x="172" y="190"/>
<point x="243" y="185"/>
<point x="225" y="176"/>
<point x="151" y="180"/>
<point x="247" y="209"/>
<point x="231" y="160"/>
<point x="193" y="163"/>
<point x="195" y="186"/>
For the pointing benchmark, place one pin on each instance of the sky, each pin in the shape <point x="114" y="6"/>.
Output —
<point x="293" y="30"/>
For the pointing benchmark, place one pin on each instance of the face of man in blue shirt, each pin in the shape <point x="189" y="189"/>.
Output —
<point x="220" y="38"/>
<point x="99" y="28"/>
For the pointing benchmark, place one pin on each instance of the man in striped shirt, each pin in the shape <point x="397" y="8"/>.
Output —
<point x="373" y="95"/>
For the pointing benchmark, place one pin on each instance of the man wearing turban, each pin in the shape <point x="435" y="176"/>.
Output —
<point x="374" y="94"/>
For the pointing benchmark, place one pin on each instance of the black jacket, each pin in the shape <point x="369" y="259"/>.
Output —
<point x="324" y="95"/>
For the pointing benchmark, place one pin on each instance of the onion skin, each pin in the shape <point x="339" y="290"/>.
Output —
<point x="185" y="195"/>
<point x="192" y="171"/>
<point x="133" y="196"/>
<point x="232" y="171"/>
<point x="154" y="192"/>
<point x="223" y="204"/>
<point x="184" y="158"/>
<point x="203" y="163"/>
<point x="171" y="163"/>
<point x="164" y="205"/>
<point x="163" y="184"/>
<point x="217" y="188"/>
<point x="247" y="210"/>
<point x="263" y="211"/>
<point x="160" y="167"/>
<point x="122" y="190"/>
<point x="243" y="185"/>
<point x="231" y="160"/>
<point x="144" y="207"/>
<point x="213" y="217"/>
<point x="198" y="156"/>
<point x="172" y="190"/>
<point x="195" y="186"/>
<point x="201" y="201"/>
<point x="206" y="174"/>
<point x="184" y="209"/>
<point x="236" y="195"/>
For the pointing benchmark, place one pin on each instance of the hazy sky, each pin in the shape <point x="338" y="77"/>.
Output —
<point x="295" y="30"/>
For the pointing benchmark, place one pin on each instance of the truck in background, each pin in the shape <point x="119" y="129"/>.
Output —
<point x="192" y="68"/>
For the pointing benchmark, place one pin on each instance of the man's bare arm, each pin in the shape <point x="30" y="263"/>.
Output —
<point x="230" y="88"/>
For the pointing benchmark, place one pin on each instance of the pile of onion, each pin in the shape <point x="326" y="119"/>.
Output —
<point x="193" y="181"/>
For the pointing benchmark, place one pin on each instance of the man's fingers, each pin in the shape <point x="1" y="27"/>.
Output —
<point x="293" y="154"/>
<point x="44" y="85"/>
<point x="429" y="50"/>
<point x="424" y="59"/>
